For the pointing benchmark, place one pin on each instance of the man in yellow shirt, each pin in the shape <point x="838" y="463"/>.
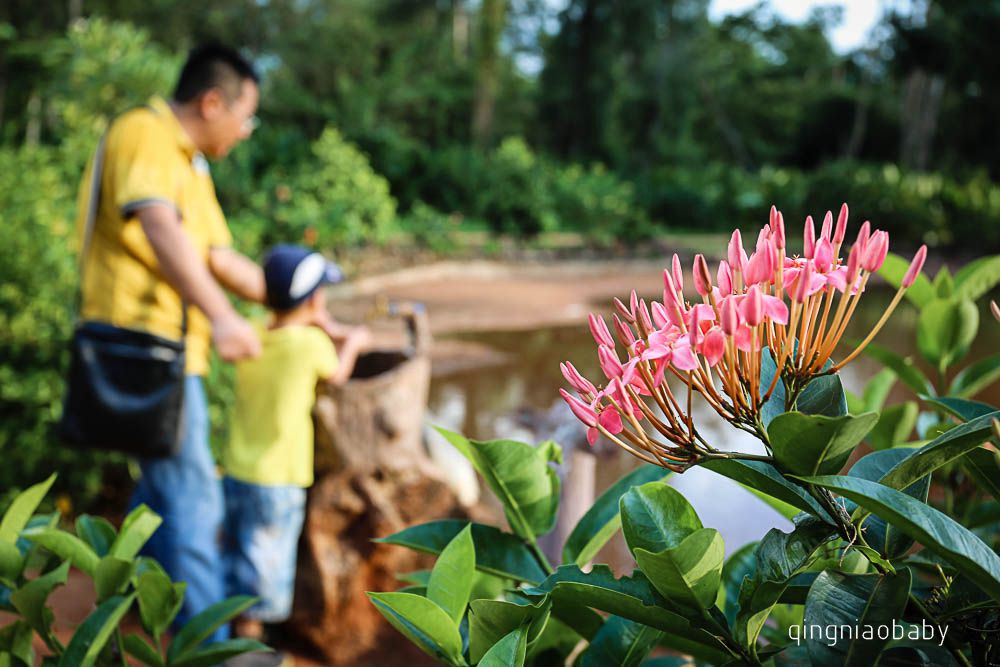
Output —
<point x="160" y="243"/>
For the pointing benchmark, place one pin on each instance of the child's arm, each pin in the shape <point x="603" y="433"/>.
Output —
<point x="356" y="340"/>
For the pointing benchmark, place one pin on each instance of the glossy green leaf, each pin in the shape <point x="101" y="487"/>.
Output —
<point x="945" y="329"/>
<point x="90" y="638"/>
<point x="656" y="516"/>
<point x="97" y="532"/>
<point x="491" y="620"/>
<point x="451" y="579"/>
<point x="894" y="426"/>
<point x="136" y="530"/>
<point x="111" y="576"/>
<point x="497" y="552"/>
<point x="201" y="626"/>
<point x="984" y="467"/>
<point x="620" y="643"/>
<point x="738" y="566"/>
<point x="940" y="451"/>
<point x="944" y="284"/>
<point x="603" y="520"/>
<point x="160" y="600"/>
<point x="508" y="652"/>
<point x="811" y="444"/>
<point x="976" y="376"/>
<point x="936" y="531"/>
<point x="877" y="390"/>
<point x="824" y="395"/>
<point x="866" y="601"/>
<point x="765" y="478"/>
<point x="688" y="574"/>
<point x="11" y="563"/>
<point x="30" y="600"/>
<point x="219" y="652"/>
<point x="977" y="278"/>
<point x="520" y="476"/>
<point x="887" y="540"/>
<point x="423" y="623"/>
<point x="904" y="368"/>
<point x="16" y="642"/>
<point x="65" y="546"/>
<point x="633" y="598"/>
<point x="894" y="268"/>
<point x="963" y="408"/>
<point x="19" y="513"/>
<point x="142" y="650"/>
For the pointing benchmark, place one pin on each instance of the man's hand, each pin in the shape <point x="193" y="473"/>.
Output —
<point x="234" y="338"/>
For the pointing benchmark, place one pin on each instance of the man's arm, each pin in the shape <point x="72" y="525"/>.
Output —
<point x="237" y="273"/>
<point x="180" y="264"/>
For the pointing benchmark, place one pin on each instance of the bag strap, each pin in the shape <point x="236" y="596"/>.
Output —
<point x="93" y="206"/>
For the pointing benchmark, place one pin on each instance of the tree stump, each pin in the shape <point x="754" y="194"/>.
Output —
<point x="373" y="478"/>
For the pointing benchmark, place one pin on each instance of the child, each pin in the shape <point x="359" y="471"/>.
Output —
<point x="269" y="458"/>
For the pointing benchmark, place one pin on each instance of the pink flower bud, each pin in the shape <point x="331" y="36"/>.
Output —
<point x="808" y="238"/>
<point x="669" y="288"/>
<point x="827" y="226"/>
<point x="863" y="235"/>
<point x="737" y="256"/>
<point x="610" y="363"/>
<point x="778" y="231"/>
<point x="678" y="273"/>
<point x="823" y="255"/>
<point x="599" y="330"/>
<point x="875" y="251"/>
<point x="995" y="309"/>
<point x="752" y="307"/>
<point x="702" y="278"/>
<point x="729" y="316"/>
<point x="853" y="265"/>
<point x="624" y="311"/>
<point x="915" y="266"/>
<point x="725" y="278"/>
<point x="714" y="345"/>
<point x="624" y="332"/>
<point x="577" y="381"/>
<point x="841" y="229"/>
<point x="760" y="268"/>
<point x="644" y="318"/>
<point x="583" y="412"/>
<point x="633" y="303"/>
<point x="803" y="283"/>
<point x="660" y="316"/>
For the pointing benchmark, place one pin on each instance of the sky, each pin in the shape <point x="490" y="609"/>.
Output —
<point x="859" y="16"/>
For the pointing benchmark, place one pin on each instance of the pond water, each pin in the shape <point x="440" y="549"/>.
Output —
<point x="517" y="397"/>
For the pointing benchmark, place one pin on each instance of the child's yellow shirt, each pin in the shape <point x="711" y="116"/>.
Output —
<point x="271" y="429"/>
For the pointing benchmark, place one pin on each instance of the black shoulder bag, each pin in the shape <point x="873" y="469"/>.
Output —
<point x="125" y="390"/>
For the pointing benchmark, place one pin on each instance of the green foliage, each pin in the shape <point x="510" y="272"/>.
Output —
<point x="121" y="580"/>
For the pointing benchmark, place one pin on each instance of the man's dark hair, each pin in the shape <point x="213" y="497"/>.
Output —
<point x="213" y="66"/>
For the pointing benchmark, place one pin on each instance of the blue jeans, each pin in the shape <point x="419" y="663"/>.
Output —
<point x="263" y="524"/>
<point x="186" y="492"/>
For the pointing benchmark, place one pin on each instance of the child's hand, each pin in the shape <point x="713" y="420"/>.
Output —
<point x="360" y="337"/>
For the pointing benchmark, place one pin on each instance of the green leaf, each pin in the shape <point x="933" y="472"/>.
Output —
<point x="97" y="532"/>
<point x="508" y="652"/>
<point x="451" y="579"/>
<point x="65" y="546"/>
<point x="423" y="623"/>
<point x="894" y="426"/>
<point x="90" y="638"/>
<point x="30" y="599"/>
<point x="877" y="390"/>
<point x="497" y="552"/>
<point x="620" y="643"/>
<point x="688" y="574"/>
<point x="17" y="515"/>
<point x="111" y="576"/>
<point x="219" y="652"/>
<point x="824" y="395"/>
<point x="417" y="577"/>
<point x="938" y="532"/>
<point x="983" y="465"/>
<point x="765" y="478"/>
<point x="142" y="650"/>
<point x="656" y="516"/>
<point x="159" y="601"/>
<point x="11" y="563"/>
<point x="975" y="377"/>
<point x="962" y="408"/>
<point x="602" y="520"/>
<point x="854" y="600"/>
<point x="521" y="478"/>
<point x="977" y="278"/>
<point x="739" y="566"/>
<point x="888" y="540"/>
<point x="810" y="444"/>
<point x="894" y="269"/>
<point x="16" y="642"/>
<point x="904" y="368"/>
<point x="136" y="530"/>
<point x="201" y="626"/>
<point x="945" y="329"/>
<point x="944" y="285"/>
<point x="940" y="451"/>
<point x="491" y="620"/>
<point x="633" y="598"/>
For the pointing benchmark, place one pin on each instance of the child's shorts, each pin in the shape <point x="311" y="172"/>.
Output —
<point x="260" y="544"/>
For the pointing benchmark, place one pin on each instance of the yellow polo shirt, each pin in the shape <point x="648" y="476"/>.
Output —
<point x="271" y="428"/>
<point x="148" y="158"/>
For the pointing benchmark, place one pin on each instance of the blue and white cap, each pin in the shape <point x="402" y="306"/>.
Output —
<point x="292" y="273"/>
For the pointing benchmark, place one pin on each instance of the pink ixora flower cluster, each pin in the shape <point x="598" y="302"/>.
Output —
<point x="793" y="308"/>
